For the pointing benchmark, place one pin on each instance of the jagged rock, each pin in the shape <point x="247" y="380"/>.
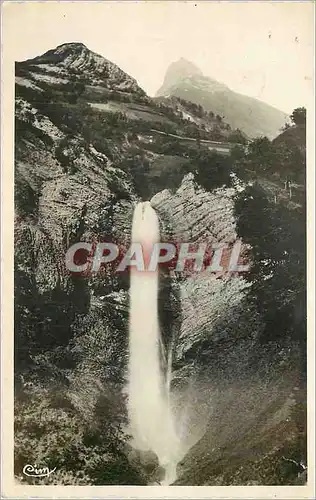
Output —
<point x="196" y="215"/>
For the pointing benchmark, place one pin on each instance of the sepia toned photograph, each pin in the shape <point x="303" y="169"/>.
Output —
<point x="160" y="207"/>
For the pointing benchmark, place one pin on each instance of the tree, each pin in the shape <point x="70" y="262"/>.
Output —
<point x="298" y="116"/>
<point x="286" y="126"/>
<point x="212" y="169"/>
<point x="276" y="235"/>
<point x="261" y="154"/>
<point x="237" y="153"/>
<point x="237" y="136"/>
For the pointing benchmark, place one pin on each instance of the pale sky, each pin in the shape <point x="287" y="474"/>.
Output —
<point x="261" y="49"/>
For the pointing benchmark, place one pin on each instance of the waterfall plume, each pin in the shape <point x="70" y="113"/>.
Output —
<point x="150" y="417"/>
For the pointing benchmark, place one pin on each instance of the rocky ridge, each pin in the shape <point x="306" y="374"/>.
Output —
<point x="57" y="65"/>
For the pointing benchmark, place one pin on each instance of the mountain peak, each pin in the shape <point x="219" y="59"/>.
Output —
<point x="185" y="80"/>
<point x="76" y="58"/>
<point x="181" y="69"/>
<point x="70" y="47"/>
<point x="62" y="53"/>
<point x="184" y="72"/>
<point x="187" y="65"/>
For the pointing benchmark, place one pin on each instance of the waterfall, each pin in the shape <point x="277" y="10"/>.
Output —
<point x="150" y="416"/>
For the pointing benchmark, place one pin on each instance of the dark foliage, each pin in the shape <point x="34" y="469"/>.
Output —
<point x="298" y="116"/>
<point x="211" y="169"/>
<point x="277" y="237"/>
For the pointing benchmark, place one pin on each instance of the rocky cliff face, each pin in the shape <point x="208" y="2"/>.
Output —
<point x="231" y="389"/>
<point x="86" y="152"/>
<point x="57" y="65"/>
<point x="255" y="118"/>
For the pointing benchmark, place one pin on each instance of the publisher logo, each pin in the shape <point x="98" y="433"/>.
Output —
<point x="34" y="471"/>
